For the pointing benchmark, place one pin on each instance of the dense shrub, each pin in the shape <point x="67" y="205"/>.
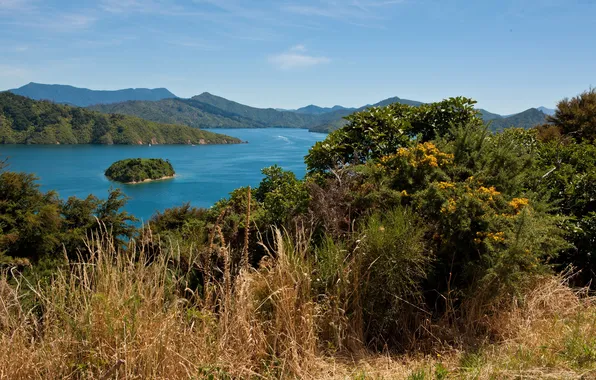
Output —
<point x="35" y="225"/>
<point x="379" y="131"/>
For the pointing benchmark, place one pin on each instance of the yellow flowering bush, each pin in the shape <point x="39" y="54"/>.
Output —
<point x="518" y="203"/>
<point x="421" y="155"/>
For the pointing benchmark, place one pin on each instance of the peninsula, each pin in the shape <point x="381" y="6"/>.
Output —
<point x="137" y="170"/>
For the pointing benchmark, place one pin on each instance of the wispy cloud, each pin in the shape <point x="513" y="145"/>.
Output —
<point x="296" y="58"/>
<point x="13" y="72"/>
<point x="38" y="14"/>
<point x="298" y="48"/>
<point x="353" y="12"/>
<point x="158" y="7"/>
<point x="57" y="22"/>
<point x="193" y="44"/>
<point x="16" y="5"/>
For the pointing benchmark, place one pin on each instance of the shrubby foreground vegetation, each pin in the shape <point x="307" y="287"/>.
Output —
<point x="420" y="246"/>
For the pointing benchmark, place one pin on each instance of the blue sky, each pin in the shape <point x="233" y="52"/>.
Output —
<point x="509" y="55"/>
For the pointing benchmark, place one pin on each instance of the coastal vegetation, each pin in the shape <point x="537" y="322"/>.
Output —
<point x="420" y="245"/>
<point x="27" y="121"/>
<point x="135" y="170"/>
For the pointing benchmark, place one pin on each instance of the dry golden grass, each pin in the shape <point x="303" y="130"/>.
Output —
<point x="121" y="316"/>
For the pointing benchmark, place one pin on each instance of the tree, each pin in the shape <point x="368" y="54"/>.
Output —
<point x="577" y="116"/>
<point x="281" y="194"/>
<point x="380" y="131"/>
<point x="35" y="225"/>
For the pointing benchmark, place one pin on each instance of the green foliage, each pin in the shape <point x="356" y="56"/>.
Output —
<point x="393" y="260"/>
<point x="580" y="345"/>
<point x="441" y="372"/>
<point x="38" y="226"/>
<point x="577" y="116"/>
<point x="186" y="220"/>
<point x="282" y="195"/>
<point x="570" y="175"/>
<point x="417" y="375"/>
<point x="30" y="222"/>
<point x="379" y="131"/>
<point x="134" y="170"/>
<point x="26" y="121"/>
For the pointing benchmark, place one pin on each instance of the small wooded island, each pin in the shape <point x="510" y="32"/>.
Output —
<point x="137" y="170"/>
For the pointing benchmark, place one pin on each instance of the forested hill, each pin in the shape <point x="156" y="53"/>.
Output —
<point x="211" y="111"/>
<point x="27" y="121"/>
<point x="266" y="116"/>
<point x="83" y="97"/>
<point x="527" y="119"/>
<point x="180" y="111"/>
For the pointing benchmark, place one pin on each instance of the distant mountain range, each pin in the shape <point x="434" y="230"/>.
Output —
<point x="316" y="110"/>
<point x="210" y="111"/>
<point x="83" y="97"/>
<point x="547" y="111"/>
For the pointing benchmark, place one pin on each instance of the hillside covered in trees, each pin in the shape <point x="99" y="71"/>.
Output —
<point x="420" y="243"/>
<point x="27" y="121"/>
<point x="210" y="111"/>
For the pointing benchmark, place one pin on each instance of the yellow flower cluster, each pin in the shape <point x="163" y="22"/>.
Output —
<point x="519" y="203"/>
<point x="446" y="185"/>
<point x="450" y="207"/>
<point x="426" y="154"/>
<point x="489" y="191"/>
<point x="497" y="237"/>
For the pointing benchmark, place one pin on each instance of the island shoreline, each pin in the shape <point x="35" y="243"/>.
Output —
<point x="149" y="180"/>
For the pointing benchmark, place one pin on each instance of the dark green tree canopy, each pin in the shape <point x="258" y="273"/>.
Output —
<point x="135" y="170"/>
<point x="577" y="116"/>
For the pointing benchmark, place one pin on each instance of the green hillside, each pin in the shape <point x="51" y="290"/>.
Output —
<point x="486" y="116"/>
<point x="27" y="121"/>
<point x="527" y="119"/>
<point x="210" y="111"/>
<point x="266" y="116"/>
<point x="180" y="111"/>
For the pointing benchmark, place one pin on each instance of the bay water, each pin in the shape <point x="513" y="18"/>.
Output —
<point x="204" y="173"/>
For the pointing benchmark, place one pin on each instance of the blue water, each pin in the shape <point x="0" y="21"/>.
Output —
<point x="204" y="173"/>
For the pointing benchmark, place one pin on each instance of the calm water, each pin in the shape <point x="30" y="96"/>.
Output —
<point x="204" y="174"/>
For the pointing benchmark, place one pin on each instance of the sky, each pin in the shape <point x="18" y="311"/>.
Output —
<point x="509" y="55"/>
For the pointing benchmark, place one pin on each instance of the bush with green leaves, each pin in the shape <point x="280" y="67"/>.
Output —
<point x="282" y="195"/>
<point x="379" y="131"/>
<point x="393" y="260"/>
<point x="576" y="117"/>
<point x="569" y="179"/>
<point x="36" y="226"/>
